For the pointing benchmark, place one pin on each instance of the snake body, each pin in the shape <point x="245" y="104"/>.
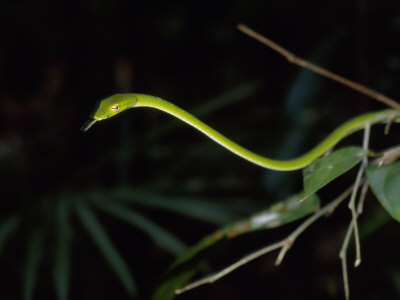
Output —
<point x="117" y="103"/>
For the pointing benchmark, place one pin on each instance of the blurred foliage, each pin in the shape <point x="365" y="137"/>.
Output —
<point x="103" y="215"/>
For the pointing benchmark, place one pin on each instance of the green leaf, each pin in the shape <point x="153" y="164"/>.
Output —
<point x="323" y="170"/>
<point x="34" y="255"/>
<point x="7" y="227"/>
<point x="61" y="269"/>
<point x="287" y="211"/>
<point x="385" y="183"/>
<point x="160" y="236"/>
<point x="99" y="236"/>
<point x="279" y="214"/>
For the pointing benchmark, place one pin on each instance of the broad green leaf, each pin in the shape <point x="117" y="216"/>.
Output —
<point x="385" y="183"/>
<point x="7" y="227"/>
<point x="279" y="214"/>
<point x="323" y="170"/>
<point x="34" y="255"/>
<point x="100" y="237"/>
<point x="61" y="269"/>
<point x="160" y="236"/>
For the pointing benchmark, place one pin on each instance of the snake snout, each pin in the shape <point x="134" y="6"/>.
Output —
<point x="89" y="123"/>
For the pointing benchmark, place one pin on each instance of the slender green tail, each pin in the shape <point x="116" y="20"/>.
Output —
<point x="115" y="104"/>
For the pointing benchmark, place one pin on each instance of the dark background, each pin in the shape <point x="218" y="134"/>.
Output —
<point x="59" y="58"/>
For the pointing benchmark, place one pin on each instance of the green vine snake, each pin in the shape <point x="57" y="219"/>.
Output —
<point x="117" y="103"/>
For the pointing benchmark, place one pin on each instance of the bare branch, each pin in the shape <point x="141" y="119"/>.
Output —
<point x="319" y="70"/>
<point x="284" y="244"/>
<point x="343" y="258"/>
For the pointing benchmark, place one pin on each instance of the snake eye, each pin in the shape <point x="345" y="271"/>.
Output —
<point x="115" y="107"/>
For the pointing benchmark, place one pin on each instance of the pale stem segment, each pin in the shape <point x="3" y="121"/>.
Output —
<point x="342" y="255"/>
<point x="354" y="214"/>
<point x="363" y="195"/>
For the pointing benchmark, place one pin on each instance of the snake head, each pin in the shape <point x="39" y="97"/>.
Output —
<point x="110" y="107"/>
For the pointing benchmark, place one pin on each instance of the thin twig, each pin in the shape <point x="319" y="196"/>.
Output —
<point x="343" y="258"/>
<point x="353" y="196"/>
<point x="354" y="214"/>
<point x="226" y="271"/>
<point x="319" y="70"/>
<point x="329" y="208"/>
<point x="389" y="124"/>
<point x="284" y="244"/>
<point x="363" y="196"/>
<point x="388" y="156"/>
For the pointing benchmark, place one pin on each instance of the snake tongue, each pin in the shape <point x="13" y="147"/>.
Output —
<point x="89" y="123"/>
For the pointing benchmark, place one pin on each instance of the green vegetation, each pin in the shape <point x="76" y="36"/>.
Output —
<point x="142" y="206"/>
